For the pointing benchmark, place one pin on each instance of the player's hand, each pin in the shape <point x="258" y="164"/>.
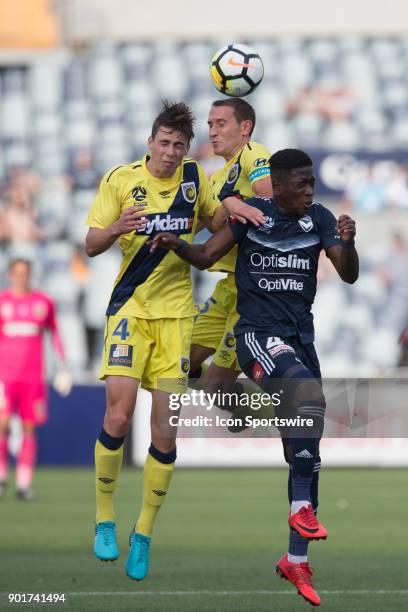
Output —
<point x="166" y="240"/>
<point x="243" y="212"/>
<point x="132" y="219"/>
<point x="62" y="383"/>
<point x="346" y="227"/>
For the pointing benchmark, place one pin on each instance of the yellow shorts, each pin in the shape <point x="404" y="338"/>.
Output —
<point x="155" y="351"/>
<point x="214" y="323"/>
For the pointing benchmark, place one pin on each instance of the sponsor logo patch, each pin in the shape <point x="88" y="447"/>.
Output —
<point x="139" y="193"/>
<point x="106" y="480"/>
<point x="121" y="355"/>
<point x="267" y="262"/>
<point x="164" y="194"/>
<point x="159" y="492"/>
<point x="39" y="310"/>
<point x="276" y="346"/>
<point x="280" y="284"/>
<point x="261" y="161"/>
<point x="7" y="310"/>
<point x="189" y="192"/>
<point x="167" y="223"/>
<point x="257" y="173"/>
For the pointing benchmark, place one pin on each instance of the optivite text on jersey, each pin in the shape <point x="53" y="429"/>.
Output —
<point x="280" y="284"/>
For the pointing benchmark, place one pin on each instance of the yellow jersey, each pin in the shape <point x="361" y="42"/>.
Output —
<point x="153" y="285"/>
<point x="250" y="164"/>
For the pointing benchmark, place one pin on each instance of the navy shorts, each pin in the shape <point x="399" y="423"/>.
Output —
<point x="265" y="356"/>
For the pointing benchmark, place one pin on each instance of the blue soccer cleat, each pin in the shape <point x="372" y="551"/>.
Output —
<point x="137" y="564"/>
<point x="106" y="546"/>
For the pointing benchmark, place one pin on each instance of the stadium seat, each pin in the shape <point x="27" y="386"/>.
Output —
<point x="45" y="85"/>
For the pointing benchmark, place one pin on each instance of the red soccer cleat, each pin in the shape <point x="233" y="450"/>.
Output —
<point x="300" y="575"/>
<point x="304" y="521"/>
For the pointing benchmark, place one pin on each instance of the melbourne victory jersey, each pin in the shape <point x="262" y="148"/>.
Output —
<point x="276" y="269"/>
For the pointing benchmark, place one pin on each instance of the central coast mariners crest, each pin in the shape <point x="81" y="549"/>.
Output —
<point x="185" y="365"/>
<point x="306" y="223"/>
<point x="189" y="192"/>
<point x="232" y="174"/>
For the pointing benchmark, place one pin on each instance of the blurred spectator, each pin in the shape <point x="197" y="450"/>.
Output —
<point x="81" y="170"/>
<point x="367" y="194"/>
<point x="331" y="101"/>
<point x="205" y="156"/>
<point x="397" y="189"/>
<point x="19" y="216"/>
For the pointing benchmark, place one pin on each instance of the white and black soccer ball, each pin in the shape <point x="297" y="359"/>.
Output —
<point x="236" y="70"/>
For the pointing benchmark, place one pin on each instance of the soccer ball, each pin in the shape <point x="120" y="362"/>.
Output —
<point x="236" y="70"/>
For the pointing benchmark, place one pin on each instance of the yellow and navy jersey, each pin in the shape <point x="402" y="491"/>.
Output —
<point x="153" y="285"/>
<point x="250" y="164"/>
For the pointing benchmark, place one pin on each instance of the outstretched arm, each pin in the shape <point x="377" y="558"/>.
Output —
<point x="201" y="256"/>
<point x="98" y="240"/>
<point x="237" y="208"/>
<point x="344" y="257"/>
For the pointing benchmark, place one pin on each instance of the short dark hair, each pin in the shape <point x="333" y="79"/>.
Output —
<point x="242" y="110"/>
<point x="17" y="260"/>
<point x="176" y="116"/>
<point x="287" y="159"/>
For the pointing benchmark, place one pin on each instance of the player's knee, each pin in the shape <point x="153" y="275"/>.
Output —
<point x="308" y="390"/>
<point x="166" y="446"/>
<point x="118" y="422"/>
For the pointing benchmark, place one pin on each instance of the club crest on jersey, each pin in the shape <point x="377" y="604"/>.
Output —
<point x="189" y="192"/>
<point x="232" y="174"/>
<point x="306" y="223"/>
<point x="185" y="365"/>
<point x="269" y="223"/>
<point x="229" y="340"/>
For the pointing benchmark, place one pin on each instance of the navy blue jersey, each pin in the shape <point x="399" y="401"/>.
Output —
<point x="276" y="269"/>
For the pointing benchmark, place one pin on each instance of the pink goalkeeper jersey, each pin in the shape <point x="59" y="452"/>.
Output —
<point x="23" y="321"/>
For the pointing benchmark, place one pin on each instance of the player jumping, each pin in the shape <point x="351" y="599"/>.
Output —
<point x="149" y="316"/>
<point x="231" y="123"/>
<point x="276" y="285"/>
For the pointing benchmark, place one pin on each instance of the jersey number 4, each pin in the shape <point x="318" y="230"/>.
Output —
<point x="121" y="330"/>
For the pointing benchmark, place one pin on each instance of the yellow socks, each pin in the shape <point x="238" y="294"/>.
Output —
<point x="108" y="461"/>
<point x="157" y="473"/>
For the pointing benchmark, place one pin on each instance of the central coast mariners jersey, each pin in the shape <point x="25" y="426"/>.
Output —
<point x="276" y="269"/>
<point x="157" y="285"/>
<point x="250" y="164"/>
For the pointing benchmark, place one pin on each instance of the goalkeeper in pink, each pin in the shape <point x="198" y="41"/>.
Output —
<point x="25" y="315"/>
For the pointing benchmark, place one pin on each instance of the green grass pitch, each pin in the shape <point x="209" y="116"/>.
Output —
<point x="217" y="538"/>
